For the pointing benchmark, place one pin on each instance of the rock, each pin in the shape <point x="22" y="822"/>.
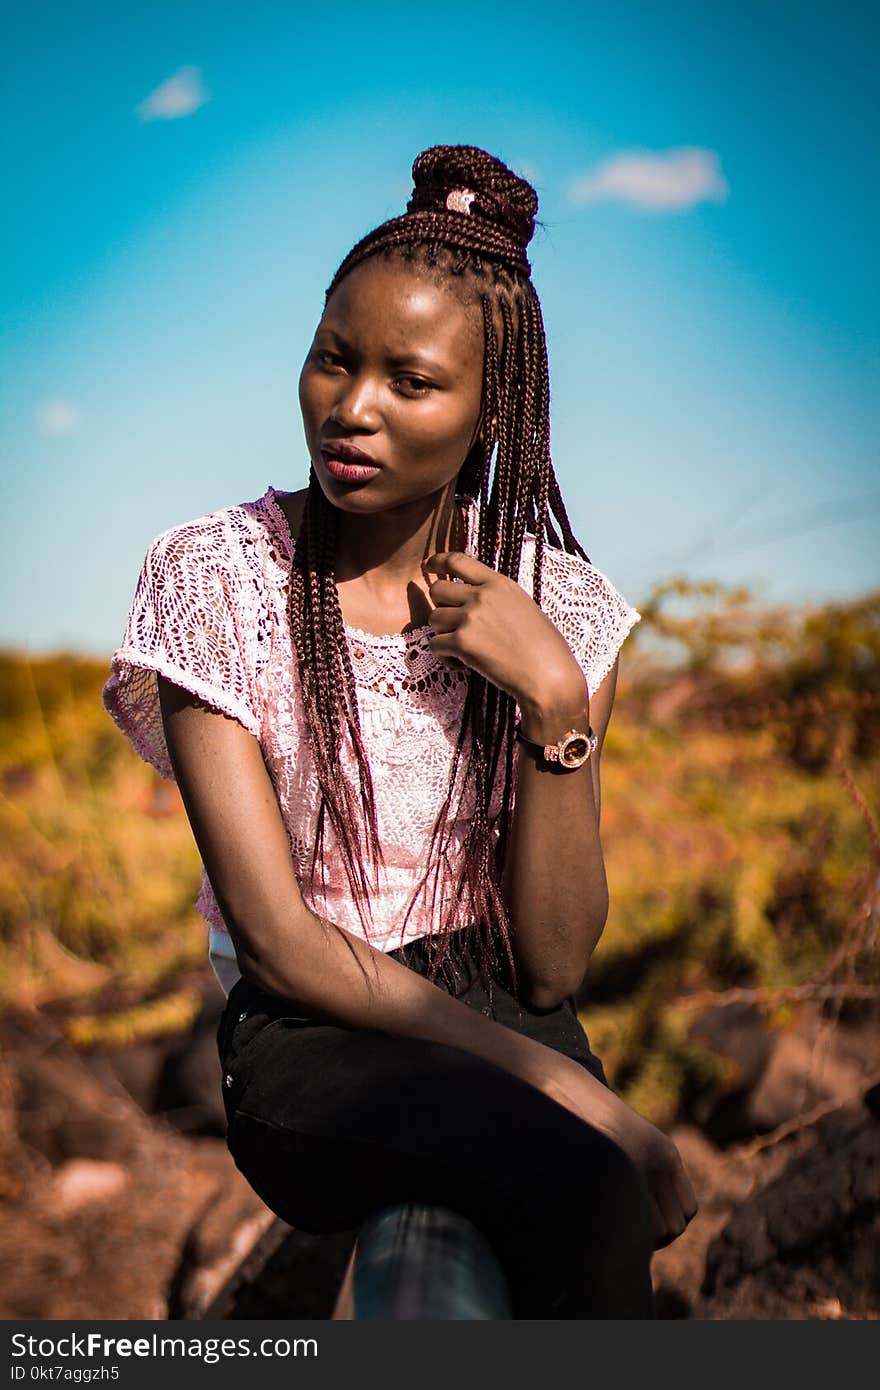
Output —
<point x="721" y="1181"/>
<point x="137" y="1068"/>
<point x="290" y="1274"/>
<point x="811" y="1236"/>
<point x="189" y="1091"/>
<point x="801" y="1073"/>
<point x="218" y="1247"/>
<point x="100" y="1199"/>
<point x="738" y="1034"/>
<point x="177" y="1077"/>
<point x="777" y="1075"/>
<point x="64" y="1112"/>
<point x="84" y="1182"/>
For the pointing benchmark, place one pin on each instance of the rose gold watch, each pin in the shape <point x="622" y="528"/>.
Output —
<point x="571" y="751"/>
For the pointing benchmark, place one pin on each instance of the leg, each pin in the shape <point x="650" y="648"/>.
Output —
<point x="329" y="1124"/>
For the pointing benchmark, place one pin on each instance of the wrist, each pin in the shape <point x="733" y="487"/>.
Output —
<point x="546" y="717"/>
<point x="578" y="1090"/>
<point x="582" y="1092"/>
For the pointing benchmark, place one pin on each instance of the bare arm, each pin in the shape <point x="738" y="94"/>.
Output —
<point x="285" y="948"/>
<point x="554" y="875"/>
<point x="280" y="944"/>
<point x="554" y="880"/>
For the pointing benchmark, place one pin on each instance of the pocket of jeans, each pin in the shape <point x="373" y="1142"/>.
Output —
<point x="242" y="1053"/>
<point x="245" y="1024"/>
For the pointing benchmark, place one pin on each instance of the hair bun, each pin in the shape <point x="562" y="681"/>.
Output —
<point x="462" y="178"/>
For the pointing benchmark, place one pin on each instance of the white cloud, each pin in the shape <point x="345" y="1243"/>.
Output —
<point x="179" y="95"/>
<point x="57" y="418"/>
<point x="668" y="181"/>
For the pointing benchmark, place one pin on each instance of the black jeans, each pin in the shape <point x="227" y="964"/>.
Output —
<point x="330" y="1123"/>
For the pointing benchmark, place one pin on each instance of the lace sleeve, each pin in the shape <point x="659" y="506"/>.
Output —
<point x="587" y="609"/>
<point x="186" y="623"/>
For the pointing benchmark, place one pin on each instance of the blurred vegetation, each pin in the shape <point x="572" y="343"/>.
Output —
<point x="98" y="869"/>
<point x="740" y="786"/>
<point x="740" y="782"/>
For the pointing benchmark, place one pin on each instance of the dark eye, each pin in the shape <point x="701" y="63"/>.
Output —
<point x="325" y="358"/>
<point x="413" y="385"/>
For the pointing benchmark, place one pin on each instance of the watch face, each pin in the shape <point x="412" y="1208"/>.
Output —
<point x="575" y="751"/>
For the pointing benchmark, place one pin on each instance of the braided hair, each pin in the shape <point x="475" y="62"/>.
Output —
<point x="468" y="221"/>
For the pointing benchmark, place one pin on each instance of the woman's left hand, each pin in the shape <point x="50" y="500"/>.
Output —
<point x="487" y="621"/>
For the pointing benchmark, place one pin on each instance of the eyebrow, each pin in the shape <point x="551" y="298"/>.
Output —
<point x="415" y="359"/>
<point x="402" y="359"/>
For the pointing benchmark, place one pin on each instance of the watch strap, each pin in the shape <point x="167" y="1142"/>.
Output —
<point x="572" y="750"/>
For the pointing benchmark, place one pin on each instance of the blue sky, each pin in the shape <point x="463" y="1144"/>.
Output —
<point x="181" y="182"/>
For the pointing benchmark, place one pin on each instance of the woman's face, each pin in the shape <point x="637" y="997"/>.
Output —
<point x="395" y="372"/>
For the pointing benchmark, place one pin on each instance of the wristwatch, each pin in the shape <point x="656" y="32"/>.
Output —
<point x="571" y="751"/>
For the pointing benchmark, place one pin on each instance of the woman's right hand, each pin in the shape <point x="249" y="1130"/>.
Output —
<point x="672" y="1196"/>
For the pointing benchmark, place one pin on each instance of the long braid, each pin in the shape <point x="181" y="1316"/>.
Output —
<point x="325" y="668"/>
<point x="468" y="222"/>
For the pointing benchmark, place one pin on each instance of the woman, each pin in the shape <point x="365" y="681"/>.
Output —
<point x="384" y="700"/>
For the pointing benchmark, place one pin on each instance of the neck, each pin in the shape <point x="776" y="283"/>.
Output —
<point x="390" y="547"/>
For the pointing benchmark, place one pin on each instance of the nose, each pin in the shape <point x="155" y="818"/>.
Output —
<point x="355" y="407"/>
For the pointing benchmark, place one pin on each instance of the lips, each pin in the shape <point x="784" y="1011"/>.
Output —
<point x="349" y="472"/>
<point x="343" y="452"/>
<point x="347" y="463"/>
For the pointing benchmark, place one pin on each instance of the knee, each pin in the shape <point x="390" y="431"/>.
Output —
<point x="621" y="1210"/>
<point x="591" y="1189"/>
<point x="581" y="1243"/>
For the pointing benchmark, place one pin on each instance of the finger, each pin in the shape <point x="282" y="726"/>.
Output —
<point x="684" y="1191"/>
<point x="449" y="592"/>
<point x="661" y="1236"/>
<point x="455" y="564"/>
<point x="445" y="619"/>
<point x="443" y="639"/>
<point x="445" y="653"/>
<point x="672" y="1216"/>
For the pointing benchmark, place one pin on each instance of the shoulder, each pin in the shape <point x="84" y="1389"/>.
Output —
<point x="213" y="575"/>
<point x="225" y="542"/>
<point x="571" y="580"/>
<point x="584" y="604"/>
<point x="207" y="531"/>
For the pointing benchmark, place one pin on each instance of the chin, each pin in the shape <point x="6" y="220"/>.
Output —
<point x="377" y="494"/>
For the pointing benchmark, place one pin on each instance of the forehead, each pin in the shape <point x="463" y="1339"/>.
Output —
<point x="390" y="307"/>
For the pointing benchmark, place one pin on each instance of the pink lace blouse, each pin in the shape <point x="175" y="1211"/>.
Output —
<point x="210" y="613"/>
